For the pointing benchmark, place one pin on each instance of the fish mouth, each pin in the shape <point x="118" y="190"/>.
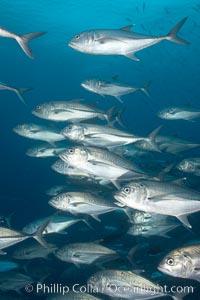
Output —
<point x="84" y="85"/>
<point x="120" y="198"/>
<point x="73" y="45"/>
<point x="35" y="113"/>
<point x="163" y="270"/>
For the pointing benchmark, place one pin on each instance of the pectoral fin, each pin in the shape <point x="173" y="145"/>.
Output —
<point x="183" y="219"/>
<point x="132" y="56"/>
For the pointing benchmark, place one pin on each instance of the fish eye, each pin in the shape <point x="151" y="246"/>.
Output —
<point x="70" y="127"/>
<point x="38" y="107"/>
<point x="77" y="36"/>
<point x="127" y="190"/>
<point x="94" y="279"/>
<point x="71" y="151"/>
<point x="170" y="261"/>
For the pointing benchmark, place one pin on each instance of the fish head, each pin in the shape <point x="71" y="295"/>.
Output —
<point x="74" y="132"/>
<point x="186" y="166"/>
<point x="91" y="85"/>
<point x="42" y="110"/>
<point x="133" y="195"/>
<point x="168" y="113"/>
<point x="60" y="201"/>
<point x="75" y="156"/>
<point x="33" y="152"/>
<point x="141" y="217"/>
<point x="139" y="229"/>
<point x="58" y="165"/>
<point x="98" y="281"/>
<point x="25" y="129"/>
<point x="176" y="263"/>
<point x="83" y="42"/>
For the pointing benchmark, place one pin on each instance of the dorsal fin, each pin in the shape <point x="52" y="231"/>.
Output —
<point x="127" y="28"/>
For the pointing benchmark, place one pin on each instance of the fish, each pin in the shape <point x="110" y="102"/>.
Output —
<point x="112" y="89"/>
<point x="124" y="284"/>
<point x="101" y="163"/>
<point x="144" y="218"/>
<point x="22" y="40"/>
<point x="173" y="144"/>
<point x="71" y="111"/>
<point x="8" y="265"/>
<point x="190" y="165"/>
<point x="82" y="203"/>
<point x="53" y="191"/>
<point x="104" y="136"/>
<point x="151" y="230"/>
<point x="86" y="253"/>
<point x="14" y="281"/>
<point x="63" y="168"/>
<point x="44" y="151"/>
<point x="182" y="262"/>
<point x="120" y="41"/>
<point x="160" y="197"/>
<point x="18" y="91"/>
<point x="32" y="251"/>
<point x="55" y="224"/>
<point x="9" y="237"/>
<point x="39" y="132"/>
<point x="179" y="113"/>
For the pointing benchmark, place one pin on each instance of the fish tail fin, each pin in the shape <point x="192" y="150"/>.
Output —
<point x="20" y="91"/>
<point x="115" y="116"/>
<point x="38" y="235"/>
<point x="172" y="35"/>
<point x="23" y="41"/>
<point x="151" y="138"/>
<point x="8" y="219"/>
<point x="166" y="170"/>
<point x="145" y="87"/>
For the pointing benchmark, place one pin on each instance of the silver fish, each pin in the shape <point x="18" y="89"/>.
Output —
<point x="39" y="132"/>
<point x="179" y="113"/>
<point x="151" y="229"/>
<point x="44" y="151"/>
<point x="82" y="203"/>
<point x="22" y="40"/>
<point x="160" y="197"/>
<point x="18" y="91"/>
<point x="86" y="253"/>
<point x="9" y="237"/>
<point x="174" y="145"/>
<point x="125" y="285"/>
<point x="183" y="262"/>
<point x="190" y="165"/>
<point x="14" y="281"/>
<point x="111" y="89"/>
<point x="32" y="251"/>
<point x="121" y="41"/>
<point x="70" y="111"/>
<point x="144" y="218"/>
<point x="55" y="224"/>
<point x="55" y="190"/>
<point x="169" y="144"/>
<point x="104" y="136"/>
<point x="63" y="168"/>
<point x="101" y="163"/>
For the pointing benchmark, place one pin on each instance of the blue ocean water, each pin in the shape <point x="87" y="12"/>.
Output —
<point x="57" y="71"/>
